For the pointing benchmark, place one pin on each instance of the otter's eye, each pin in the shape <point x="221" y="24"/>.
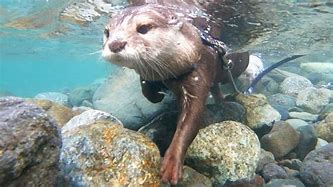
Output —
<point x="143" y="29"/>
<point x="106" y="33"/>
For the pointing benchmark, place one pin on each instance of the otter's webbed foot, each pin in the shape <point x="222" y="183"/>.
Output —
<point x="172" y="166"/>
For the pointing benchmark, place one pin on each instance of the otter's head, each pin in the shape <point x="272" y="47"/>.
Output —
<point x="154" y="41"/>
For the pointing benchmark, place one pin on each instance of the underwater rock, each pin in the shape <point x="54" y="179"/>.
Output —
<point x="193" y="178"/>
<point x="322" y="69"/>
<point x="224" y="151"/>
<point x="56" y="97"/>
<point x="226" y="111"/>
<point x="60" y="113"/>
<point x="324" y="128"/>
<point x="281" y="140"/>
<point x="280" y="75"/>
<point x="78" y="95"/>
<point x="265" y="157"/>
<point x="304" y="116"/>
<point x="321" y="143"/>
<point x="307" y="141"/>
<point x="285" y="183"/>
<point x="313" y="100"/>
<point x="317" y="169"/>
<point x="106" y="154"/>
<point x="4" y="93"/>
<point x="273" y="171"/>
<point x="122" y="97"/>
<point x="29" y="145"/>
<point x="294" y="164"/>
<point x="258" y="111"/>
<point x="326" y="110"/>
<point x="267" y="86"/>
<point x="297" y="123"/>
<point x="294" y="85"/>
<point x="88" y="117"/>
<point x="283" y="100"/>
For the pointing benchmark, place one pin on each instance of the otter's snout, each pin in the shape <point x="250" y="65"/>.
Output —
<point x="117" y="46"/>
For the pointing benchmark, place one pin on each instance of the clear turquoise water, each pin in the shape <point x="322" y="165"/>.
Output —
<point x="47" y="57"/>
<point x="41" y="53"/>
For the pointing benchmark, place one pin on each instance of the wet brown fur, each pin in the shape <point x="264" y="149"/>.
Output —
<point x="191" y="89"/>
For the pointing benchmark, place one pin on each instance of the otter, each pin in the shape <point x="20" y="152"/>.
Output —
<point x="162" y="43"/>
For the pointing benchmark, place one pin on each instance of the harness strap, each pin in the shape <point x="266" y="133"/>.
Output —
<point x="221" y="49"/>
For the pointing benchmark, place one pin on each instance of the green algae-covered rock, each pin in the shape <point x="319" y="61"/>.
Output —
<point x="225" y="151"/>
<point x="106" y="154"/>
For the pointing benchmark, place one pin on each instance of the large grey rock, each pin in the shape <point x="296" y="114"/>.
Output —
<point x="88" y="117"/>
<point x="322" y="69"/>
<point x="294" y="85"/>
<point x="324" y="129"/>
<point x="281" y="140"/>
<point x="29" y="144"/>
<point x="56" y="97"/>
<point x="225" y="151"/>
<point x="258" y="111"/>
<point x="122" y="97"/>
<point x="106" y="154"/>
<point x="317" y="167"/>
<point x="313" y="100"/>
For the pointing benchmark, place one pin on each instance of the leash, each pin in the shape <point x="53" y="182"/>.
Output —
<point x="221" y="49"/>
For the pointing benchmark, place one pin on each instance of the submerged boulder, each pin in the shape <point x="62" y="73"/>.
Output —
<point x="258" y="111"/>
<point x="29" y="144"/>
<point x="226" y="151"/>
<point x="106" y="154"/>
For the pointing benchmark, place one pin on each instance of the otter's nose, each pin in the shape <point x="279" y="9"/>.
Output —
<point x="117" y="46"/>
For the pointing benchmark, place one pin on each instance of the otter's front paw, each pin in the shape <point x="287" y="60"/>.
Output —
<point x="172" y="168"/>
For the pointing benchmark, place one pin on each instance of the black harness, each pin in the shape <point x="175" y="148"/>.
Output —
<point x="221" y="49"/>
